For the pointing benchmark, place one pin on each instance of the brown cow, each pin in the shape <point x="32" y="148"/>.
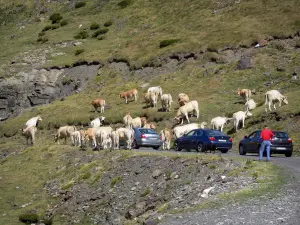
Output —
<point x="129" y="94"/>
<point x="99" y="103"/>
<point x="245" y="93"/>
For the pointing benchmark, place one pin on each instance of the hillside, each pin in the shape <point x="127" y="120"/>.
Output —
<point x="203" y="48"/>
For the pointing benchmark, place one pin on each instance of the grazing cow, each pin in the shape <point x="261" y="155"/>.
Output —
<point x="150" y="126"/>
<point x="157" y="90"/>
<point x="33" y="121"/>
<point x="166" y="137"/>
<point x="250" y="105"/>
<point x="127" y="135"/>
<point x="90" y="137"/>
<point x="76" y="137"/>
<point x="273" y="96"/>
<point x="99" y="103"/>
<point x="245" y="93"/>
<point x="82" y="137"/>
<point x="183" y="99"/>
<point x="97" y="122"/>
<point x="166" y="101"/>
<point x="179" y="131"/>
<point x="132" y="123"/>
<point x="64" y="132"/>
<point x="151" y="99"/>
<point x="219" y="122"/>
<point x="143" y="121"/>
<point x="184" y="110"/>
<point x="240" y="116"/>
<point x="129" y="94"/>
<point x="29" y="133"/>
<point x="115" y="140"/>
<point x="103" y="137"/>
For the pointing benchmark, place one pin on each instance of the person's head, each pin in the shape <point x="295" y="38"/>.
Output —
<point x="266" y="127"/>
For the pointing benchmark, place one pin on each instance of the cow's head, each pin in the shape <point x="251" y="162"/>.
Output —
<point x="248" y="114"/>
<point x="284" y="100"/>
<point x="238" y="92"/>
<point x="228" y="120"/>
<point x="39" y="118"/>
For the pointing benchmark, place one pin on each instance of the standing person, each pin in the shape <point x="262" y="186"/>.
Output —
<point x="266" y="136"/>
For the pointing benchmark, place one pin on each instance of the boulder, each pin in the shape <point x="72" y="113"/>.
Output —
<point x="244" y="63"/>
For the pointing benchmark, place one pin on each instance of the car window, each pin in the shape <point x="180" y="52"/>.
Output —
<point x="199" y="132"/>
<point x="147" y="131"/>
<point x="215" y="133"/>
<point x="252" y="135"/>
<point x="281" y="135"/>
<point x="191" y="133"/>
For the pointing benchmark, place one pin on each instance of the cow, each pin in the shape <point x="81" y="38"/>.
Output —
<point x="64" y="132"/>
<point x="219" y="122"/>
<point x="273" y="96"/>
<point x="129" y="94"/>
<point x="166" y="137"/>
<point x="150" y="126"/>
<point x="183" y="111"/>
<point x="99" y="103"/>
<point x="166" y="101"/>
<point x="33" y="121"/>
<point x="245" y="93"/>
<point x="250" y="105"/>
<point x="179" y="131"/>
<point x="76" y="137"/>
<point x="143" y="121"/>
<point x="115" y="140"/>
<point x="157" y="90"/>
<point x="29" y="133"/>
<point x="97" y="122"/>
<point x="132" y="123"/>
<point x="90" y="137"/>
<point x="151" y="99"/>
<point x="82" y="137"/>
<point x="183" y="99"/>
<point x="103" y="137"/>
<point x="127" y="135"/>
<point x="240" y="116"/>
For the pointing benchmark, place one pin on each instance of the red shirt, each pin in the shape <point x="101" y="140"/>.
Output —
<point x="266" y="135"/>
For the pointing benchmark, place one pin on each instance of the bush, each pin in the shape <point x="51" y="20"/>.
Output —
<point x="100" y="31"/>
<point x="123" y="4"/>
<point x="168" y="42"/>
<point x="63" y="23"/>
<point x="41" y="34"/>
<point x="55" y="17"/>
<point x="48" y="27"/>
<point x="108" y="23"/>
<point x="82" y="35"/>
<point x="55" y="26"/>
<point x="79" y="5"/>
<point x="94" y="26"/>
<point x="42" y="39"/>
<point x="79" y="51"/>
<point x="29" y="218"/>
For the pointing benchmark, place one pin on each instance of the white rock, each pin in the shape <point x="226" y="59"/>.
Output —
<point x="223" y="177"/>
<point x="206" y="192"/>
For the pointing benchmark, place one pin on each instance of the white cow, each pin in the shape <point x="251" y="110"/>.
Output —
<point x="115" y="140"/>
<point x="97" y="122"/>
<point x="240" y="116"/>
<point x="132" y="123"/>
<point x="166" y="101"/>
<point x="102" y="136"/>
<point x="33" y="121"/>
<point x="219" y="122"/>
<point x="273" y="96"/>
<point x="151" y="98"/>
<point x="250" y="105"/>
<point x="76" y="138"/>
<point x="64" y="132"/>
<point x="166" y="137"/>
<point x="179" y="131"/>
<point x="183" y="111"/>
<point x="127" y="135"/>
<point x="157" y="90"/>
<point x="29" y="133"/>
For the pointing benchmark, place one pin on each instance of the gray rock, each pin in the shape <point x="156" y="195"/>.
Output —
<point x="244" y="63"/>
<point x="156" y="173"/>
<point x="151" y="222"/>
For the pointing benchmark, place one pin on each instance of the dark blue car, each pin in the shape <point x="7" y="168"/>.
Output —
<point x="280" y="144"/>
<point x="203" y="140"/>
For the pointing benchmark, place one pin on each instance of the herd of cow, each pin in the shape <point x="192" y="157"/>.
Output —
<point x="105" y="137"/>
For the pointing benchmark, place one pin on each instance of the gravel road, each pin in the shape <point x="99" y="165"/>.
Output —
<point x="278" y="208"/>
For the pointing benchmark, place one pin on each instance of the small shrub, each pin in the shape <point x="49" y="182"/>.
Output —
<point x="63" y="23"/>
<point x="163" y="208"/>
<point x="168" y="42"/>
<point x="79" y="5"/>
<point x="55" y="17"/>
<point x="29" y="218"/>
<point x="79" y="51"/>
<point x="94" y="26"/>
<point x="255" y="175"/>
<point x="101" y="37"/>
<point x="100" y="31"/>
<point x="41" y="34"/>
<point x="85" y="176"/>
<point x="124" y="3"/>
<point x="114" y="181"/>
<point x="48" y="27"/>
<point x="212" y="167"/>
<point x="82" y="35"/>
<point x="55" y="26"/>
<point x="108" y="23"/>
<point x="146" y="192"/>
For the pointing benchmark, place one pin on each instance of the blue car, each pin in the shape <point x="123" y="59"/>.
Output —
<point x="203" y="140"/>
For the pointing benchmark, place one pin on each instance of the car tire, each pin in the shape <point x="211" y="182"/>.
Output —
<point x="176" y="148"/>
<point x="242" y="150"/>
<point x="289" y="154"/>
<point x="135" y="145"/>
<point x="200" y="147"/>
<point x="156" y="147"/>
<point x="224" y="150"/>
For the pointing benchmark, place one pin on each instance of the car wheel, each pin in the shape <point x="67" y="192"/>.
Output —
<point x="241" y="150"/>
<point x="176" y="147"/>
<point x="289" y="154"/>
<point x="135" y="145"/>
<point x="156" y="147"/>
<point x="224" y="150"/>
<point x="200" y="147"/>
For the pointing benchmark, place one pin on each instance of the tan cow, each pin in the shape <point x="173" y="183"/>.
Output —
<point x="166" y="136"/>
<point x="64" y="133"/>
<point x="151" y="99"/>
<point x="183" y="99"/>
<point x="183" y="111"/>
<point x="144" y="121"/>
<point x="150" y="125"/>
<point x="132" y="123"/>
<point x="244" y="93"/>
<point x="99" y="103"/>
<point x="29" y="133"/>
<point x="129" y="94"/>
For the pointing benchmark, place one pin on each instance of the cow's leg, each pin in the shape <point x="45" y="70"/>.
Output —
<point x="32" y="139"/>
<point x="243" y="122"/>
<point x="270" y="106"/>
<point x="197" y="111"/>
<point x="125" y="99"/>
<point x="222" y="127"/>
<point x="27" y="140"/>
<point x="280" y="103"/>
<point x="187" y="118"/>
<point x="168" y="144"/>
<point x="65" y="140"/>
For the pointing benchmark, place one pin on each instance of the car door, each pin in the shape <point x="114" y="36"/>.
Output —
<point x="195" y="138"/>
<point x="256" y="142"/>
<point x="187" y="140"/>
<point x="248" y="145"/>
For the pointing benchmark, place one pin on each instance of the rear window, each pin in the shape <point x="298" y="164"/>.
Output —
<point x="147" y="131"/>
<point x="214" y="133"/>
<point x="281" y="135"/>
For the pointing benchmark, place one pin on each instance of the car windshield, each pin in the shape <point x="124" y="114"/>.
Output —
<point x="147" y="131"/>
<point x="214" y="133"/>
<point x="281" y="135"/>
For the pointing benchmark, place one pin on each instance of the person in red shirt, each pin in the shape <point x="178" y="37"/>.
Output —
<point x="266" y="136"/>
